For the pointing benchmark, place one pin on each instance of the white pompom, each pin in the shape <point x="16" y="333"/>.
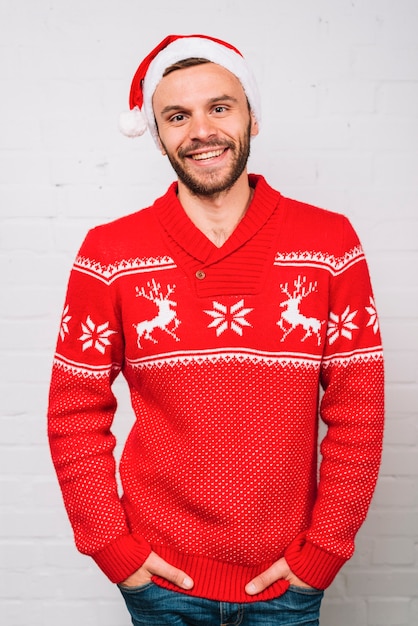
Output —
<point x="132" y="123"/>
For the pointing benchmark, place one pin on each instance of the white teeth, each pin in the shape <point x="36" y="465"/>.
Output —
<point x="206" y="155"/>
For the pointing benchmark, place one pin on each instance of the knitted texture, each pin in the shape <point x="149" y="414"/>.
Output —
<point x="224" y="351"/>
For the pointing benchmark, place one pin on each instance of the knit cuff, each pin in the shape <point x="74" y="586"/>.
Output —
<point x="122" y="557"/>
<point x="312" y="564"/>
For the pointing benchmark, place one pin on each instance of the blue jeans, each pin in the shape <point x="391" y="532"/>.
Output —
<point x="150" y="605"/>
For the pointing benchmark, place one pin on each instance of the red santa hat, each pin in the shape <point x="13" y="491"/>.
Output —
<point x="172" y="49"/>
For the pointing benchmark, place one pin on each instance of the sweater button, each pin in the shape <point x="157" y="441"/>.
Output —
<point x="200" y="274"/>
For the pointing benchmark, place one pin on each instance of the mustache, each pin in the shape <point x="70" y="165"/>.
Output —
<point x="204" y="145"/>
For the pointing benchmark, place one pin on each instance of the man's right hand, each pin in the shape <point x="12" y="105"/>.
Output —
<point x="155" y="565"/>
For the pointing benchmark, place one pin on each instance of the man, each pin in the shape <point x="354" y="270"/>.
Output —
<point x="227" y="307"/>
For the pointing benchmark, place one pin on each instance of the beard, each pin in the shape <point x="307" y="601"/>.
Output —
<point x="210" y="183"/>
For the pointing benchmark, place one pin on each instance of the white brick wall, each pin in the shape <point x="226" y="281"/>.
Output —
<point x="339" y="81"/>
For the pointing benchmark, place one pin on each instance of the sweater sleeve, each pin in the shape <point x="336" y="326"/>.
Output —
<point x="89" y="355"/>
<point x="352" y="408"/>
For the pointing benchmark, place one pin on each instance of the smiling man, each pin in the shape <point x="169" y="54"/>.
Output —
<point x="227" y="307"/>
<point x="206" y="137"/>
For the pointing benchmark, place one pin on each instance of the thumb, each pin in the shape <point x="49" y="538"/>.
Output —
<point x="278" y="570"/>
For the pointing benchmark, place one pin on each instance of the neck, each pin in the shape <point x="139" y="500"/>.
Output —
<point x="217" y="216"/>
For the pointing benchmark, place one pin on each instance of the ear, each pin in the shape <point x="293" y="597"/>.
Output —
<point x="161" y="147"/>
<point x="156" y="137"/>
<point x="254" y="125"/>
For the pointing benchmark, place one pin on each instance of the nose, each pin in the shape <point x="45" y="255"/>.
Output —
<point x="201" y="127"/>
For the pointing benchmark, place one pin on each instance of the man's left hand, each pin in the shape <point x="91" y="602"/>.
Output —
<point x="280" y="570"/>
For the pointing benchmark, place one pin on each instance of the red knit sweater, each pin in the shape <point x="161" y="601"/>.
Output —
<point x="224" y="351"/>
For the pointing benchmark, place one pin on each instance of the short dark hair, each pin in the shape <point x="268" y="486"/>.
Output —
<point x="181" y="65"/>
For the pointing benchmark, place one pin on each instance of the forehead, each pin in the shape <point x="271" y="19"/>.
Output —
<point x="196" y="83"/>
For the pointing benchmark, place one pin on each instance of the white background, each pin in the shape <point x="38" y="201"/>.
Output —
<point x="339" y="84"/>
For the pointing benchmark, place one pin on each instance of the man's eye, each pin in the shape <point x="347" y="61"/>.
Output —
<point x="177" y="118"/>
<point x="220" y="109"/>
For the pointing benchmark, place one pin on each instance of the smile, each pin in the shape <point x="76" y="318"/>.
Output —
<point x="207" y="155"/>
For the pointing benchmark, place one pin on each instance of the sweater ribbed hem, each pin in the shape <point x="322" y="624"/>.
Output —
<point x="217" y="580"/>
<point x="312" y="564"/>
<point x="122" y="557"/>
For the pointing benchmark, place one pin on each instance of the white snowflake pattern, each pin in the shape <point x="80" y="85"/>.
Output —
<point x="341" y="325"/>
<point x="64" y="323"/>
<point x="373" y="321"/>
<point x="95" y="336"/>
<point x="232" y="317"/>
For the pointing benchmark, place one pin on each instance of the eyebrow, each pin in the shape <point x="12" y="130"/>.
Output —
<point x="178" y="107"/>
